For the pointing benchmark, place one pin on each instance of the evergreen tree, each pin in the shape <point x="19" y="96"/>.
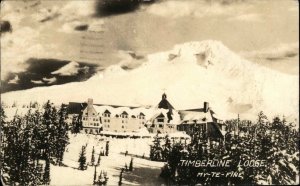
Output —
<point x="167" y="148"/>
<point x="62" y="134"/>
<point x="126" y="167"/>
<point x="82" y="159"/>
<point x="95" y="175"/>
<point x="107" y="148"/>
<point x="156" y="150"/>
<point x="93" y="157"/>
<point x="76" y="124"/>
<point x="99" y="159"/>
<point x="46" y="178"/>
<point x="121" y="176"/>
<point x="131" y="165"/>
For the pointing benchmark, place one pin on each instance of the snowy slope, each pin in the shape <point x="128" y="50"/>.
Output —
<point x="190" y="74"/>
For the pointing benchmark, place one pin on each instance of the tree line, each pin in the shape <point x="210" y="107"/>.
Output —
<point x="30" y="143"/>
<point x="276" y="142"/>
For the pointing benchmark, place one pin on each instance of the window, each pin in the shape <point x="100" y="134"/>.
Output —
<point x="122" y="121"/>
<point x="160" y="120"/>
<point x="108" y="126"/>
<point x="105" y="120"/>
<point x="161" y="126"/>
<point x="122" y="126"/>
<point x="108" y="120"/>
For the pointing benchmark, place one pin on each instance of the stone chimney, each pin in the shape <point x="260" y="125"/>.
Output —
<point x="206" y="107"/>
<point x="90" y="102"/>
<point x="90" y="106"/>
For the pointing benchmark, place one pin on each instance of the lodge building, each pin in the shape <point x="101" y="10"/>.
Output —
<point x="163" y="118"/>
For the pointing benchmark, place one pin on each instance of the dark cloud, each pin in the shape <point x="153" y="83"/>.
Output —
<point x="83" y="27"/>
<point x="50" y="17"/>
<point x="39" y="71"/>
<point x="280" y="52"/>
<point x="5" y="26"/>
<point x="114" y="7"/>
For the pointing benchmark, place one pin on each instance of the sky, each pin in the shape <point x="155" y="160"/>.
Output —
<point x="71" y="40"/>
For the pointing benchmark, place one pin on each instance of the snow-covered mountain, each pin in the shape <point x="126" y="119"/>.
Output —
<point x="190" y="74"/>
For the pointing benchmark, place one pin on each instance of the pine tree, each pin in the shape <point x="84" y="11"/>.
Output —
<point x="126" y="167"/>
<point x="155" y="149"/>
<point x="131" y="165"/>
<point x="46" y="178"/>
<point x="95" y="175"/>
<point x="93" y="157"/>
<point x="62" y="134"/>
<point x="167" y="148"/>
<point x="99" y="159"/>
<point x="107" y="148"/>
<point x="76" y="124"/>
<point x="82" y="159"/>
<point x="121" y="176"/>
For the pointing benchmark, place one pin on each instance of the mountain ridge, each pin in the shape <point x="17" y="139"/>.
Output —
<point x="190" y="74"/>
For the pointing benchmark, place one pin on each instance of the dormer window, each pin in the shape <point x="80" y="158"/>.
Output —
<point x="160" y="120"/>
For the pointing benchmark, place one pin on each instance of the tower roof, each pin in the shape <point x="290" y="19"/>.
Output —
<point x="164" y="103"/>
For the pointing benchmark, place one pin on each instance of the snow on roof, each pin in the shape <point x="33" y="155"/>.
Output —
<point x="175" y="135"/>
<point x="149" y="113"/>
<point x="190" y="117"/>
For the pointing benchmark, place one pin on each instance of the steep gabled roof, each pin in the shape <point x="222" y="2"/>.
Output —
<point x="106" y="112"/>
<point x="76" y="108"/>
<point x="124" y="113"/>
<point x="164" y="103"/>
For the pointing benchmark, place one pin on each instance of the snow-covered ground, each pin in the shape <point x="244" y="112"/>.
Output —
<point x="145" y="172"/>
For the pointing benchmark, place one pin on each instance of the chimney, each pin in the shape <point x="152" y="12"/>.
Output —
<point x="90" y="102"/>
<point x="206" y="107"/>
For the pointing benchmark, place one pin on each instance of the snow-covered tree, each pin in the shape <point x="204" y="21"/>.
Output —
<point x="156" y="150"/>
<point x="82" y="159"/>
<point x="93" y="157"/>
<point x="131" y="165"/>
<point x="107" y="148"/>
<point x="99" y="159"/>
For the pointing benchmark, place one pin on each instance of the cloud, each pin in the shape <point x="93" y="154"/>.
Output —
<point x="5" y="26"/>
<point x="6" y="7"/>
<point x="177" y="9"/>
<point x="70" y="27"/>
<point x="113" y="7"/>
<point x="70" y="69"/>
<point x="18" y="47"/>
<point x="50" y="80"/>
<point x="92" y="24"/>
<point x="246" y="17"/>
<point x="47" y="14"/>
<point x="15" y="80"/>
<point x="130" y="60"/>
<point x="37" y="82"/>
<point x="278" y="52"/>
<point x="14" y="18"/>
<point x="76" y="9"/>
